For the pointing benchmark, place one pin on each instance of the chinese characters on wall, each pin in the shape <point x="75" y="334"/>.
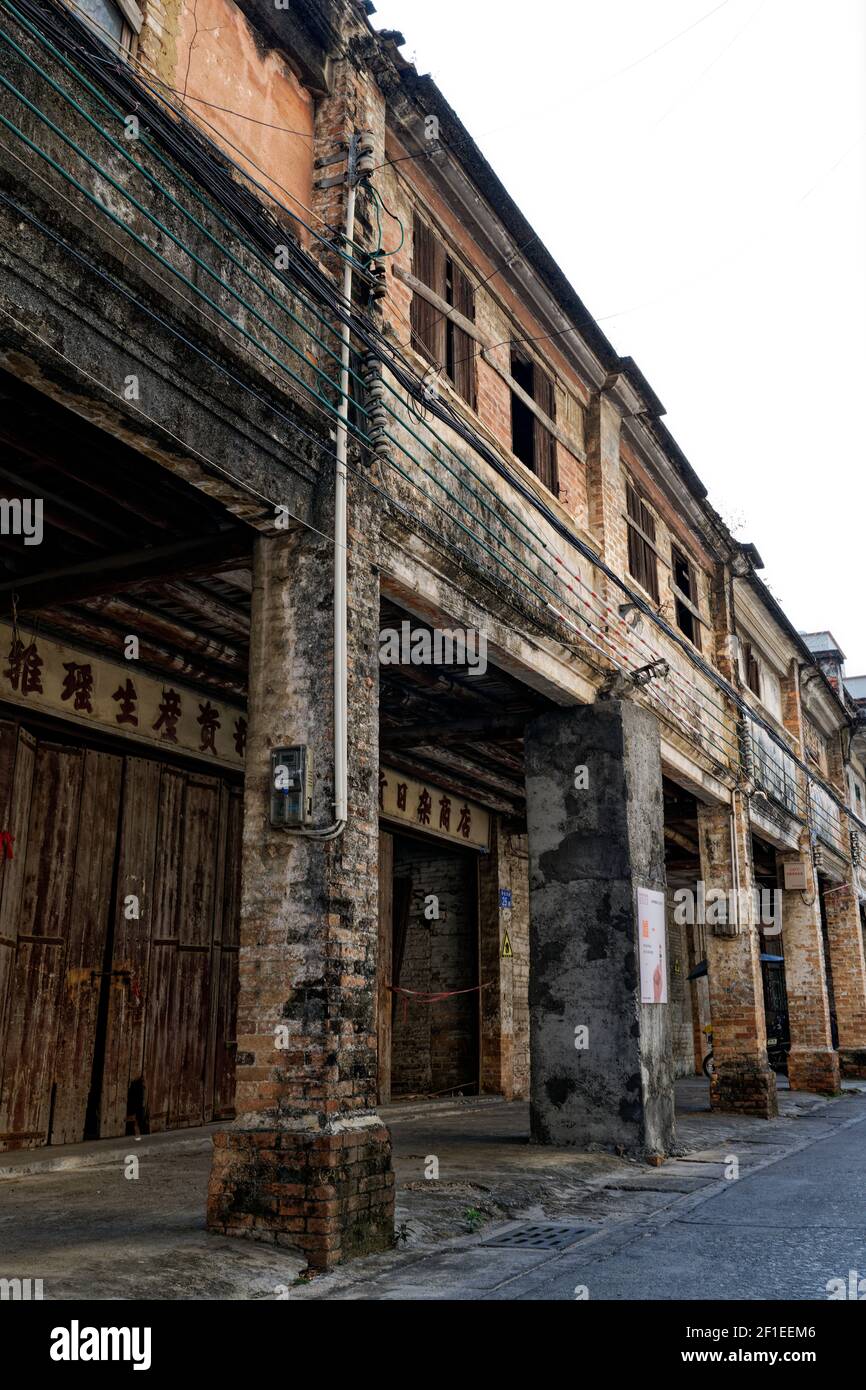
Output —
<point x="37" y="671"/>
<point x="432" y="808"/>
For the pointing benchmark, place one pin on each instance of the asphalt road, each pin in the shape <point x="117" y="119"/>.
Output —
<point x="782" y="1232"/>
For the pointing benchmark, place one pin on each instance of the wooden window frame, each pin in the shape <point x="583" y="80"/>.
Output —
<point x="544" y="463"/>
<point x="751" y="665"/>
<point x="435" y="334"/>
<point x="131" y="20"/>
<point x="686" y="612"/>
<point x="641" y="539"/>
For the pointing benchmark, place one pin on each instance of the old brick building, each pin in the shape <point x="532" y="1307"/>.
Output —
<point x="311" y="806"/>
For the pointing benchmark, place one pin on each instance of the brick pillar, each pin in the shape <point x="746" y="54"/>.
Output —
<point x="742" y="1080"/>
<point x="307" y="1161"/>
<point x="590" y="849"/>
<point x="722" y="615"/>
<point x="845" y="940"/>
<point x="813" y="1064"/>
<point x="605" y="487"/>
<point x="504" y="1004"/>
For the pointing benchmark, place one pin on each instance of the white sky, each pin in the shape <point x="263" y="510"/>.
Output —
<point x="709" y="206"/>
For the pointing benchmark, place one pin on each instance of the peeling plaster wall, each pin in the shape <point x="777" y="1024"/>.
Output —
<point x="207" y="49"/>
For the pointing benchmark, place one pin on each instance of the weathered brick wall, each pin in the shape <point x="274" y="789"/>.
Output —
<point x="435" y="1046"/>
<point x="679" y="995"/>
<point x="742" y="1080"/>
<point x="845" y="942"/>
<point x="505" y="999"/>
<point x="500" y="320"/>
<point x="812" y="1063"/>
<point x="307" y="1161"/>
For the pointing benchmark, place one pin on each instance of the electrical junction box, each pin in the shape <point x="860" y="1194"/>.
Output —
<point x="795" y="876"/>
<point x="291" y="798"/>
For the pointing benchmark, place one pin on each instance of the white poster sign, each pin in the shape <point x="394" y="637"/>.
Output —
<point x="652" y="946"/>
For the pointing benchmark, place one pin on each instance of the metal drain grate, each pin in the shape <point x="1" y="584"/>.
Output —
<point x="538" y="1235"/>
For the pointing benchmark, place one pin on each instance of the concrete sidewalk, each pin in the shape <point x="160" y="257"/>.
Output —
<point x="72" y="1217"/>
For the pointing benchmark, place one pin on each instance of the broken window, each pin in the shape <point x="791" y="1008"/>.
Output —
<point x="641" y="542"/>
<point x="436" y="336"/>
<point x="751" y="670"/>
<point x="531" y="440"/>
<point x="685" y="596"/>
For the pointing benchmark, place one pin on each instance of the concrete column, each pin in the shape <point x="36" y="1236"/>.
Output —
<point x="845" y="940"/>
<point x="590" y="848"/>
<point x="813" y="1064"/>
<point x="307" y="1161"/>
<point x="742" y="1080"/>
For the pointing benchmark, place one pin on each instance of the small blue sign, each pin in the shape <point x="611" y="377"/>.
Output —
<point x="505" y="897"/>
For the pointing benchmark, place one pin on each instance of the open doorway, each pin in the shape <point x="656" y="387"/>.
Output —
<point x="768" y="884"/>
<point x="429" y="1024"/>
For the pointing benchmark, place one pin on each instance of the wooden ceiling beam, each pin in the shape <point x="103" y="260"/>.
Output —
<point x="433" y="680"/>
<point x="128" y="616"/>
<point x="447" y="731"/>
<point x="425" y="772"/>
<point x="469" y="768"/>
<point x="682" y="840"/>
<point x="236" y="578"/>
<point x="63" y="515"/>
<point x="174" y="664"/>
<point x="122" y="571"/>
<point x="204" y="605"/>
<point x="141" y="501"/>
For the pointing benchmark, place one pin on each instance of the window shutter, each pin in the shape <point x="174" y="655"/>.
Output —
<point x="545" y="444"/>
<point x="463" y="297"/>
<point x="641" y="557"/>
<point x="428" y="266"/>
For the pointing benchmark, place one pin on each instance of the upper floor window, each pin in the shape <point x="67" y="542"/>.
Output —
<point x="816" y="748"/>
<point x="641" y="526"/>
<point x="436" y="335"/>
<point x="685" y="596"/>
<point x="751" y="670"/>
<point x="114" y="21"/>
<point x="531" y="440"/>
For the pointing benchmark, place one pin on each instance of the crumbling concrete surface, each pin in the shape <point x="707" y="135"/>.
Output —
<point x="89" y="1231"/>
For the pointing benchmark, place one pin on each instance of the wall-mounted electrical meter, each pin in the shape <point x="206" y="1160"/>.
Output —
<point x="291" y="798"/>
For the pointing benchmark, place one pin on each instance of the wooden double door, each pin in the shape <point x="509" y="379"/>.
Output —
<point x="118" y="943"/>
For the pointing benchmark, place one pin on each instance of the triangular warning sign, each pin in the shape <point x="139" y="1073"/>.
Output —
<point x="507" y="952"/>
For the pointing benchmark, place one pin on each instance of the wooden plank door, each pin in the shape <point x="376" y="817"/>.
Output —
<point x="123" y="1061"/>
<point x="215" y="953"/>
<point x="384" y="967"/>
<point x="225" y="964"/>
<point x="87" y="928"/>
<point x="160" y="1023"/>
<point x="17" y="759"/>
<point x="38" y="974"/>
<point x="200" y="894"/>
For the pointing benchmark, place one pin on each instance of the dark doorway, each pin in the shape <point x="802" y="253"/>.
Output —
<point x="766" y="871"/>
<point x="434" y="1022"/>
